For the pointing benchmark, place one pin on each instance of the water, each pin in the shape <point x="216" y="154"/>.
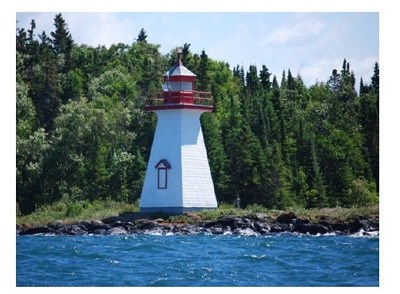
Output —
<point x="199" y="260"/>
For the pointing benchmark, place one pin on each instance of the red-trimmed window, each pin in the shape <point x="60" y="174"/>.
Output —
<point x="162" y="173"/>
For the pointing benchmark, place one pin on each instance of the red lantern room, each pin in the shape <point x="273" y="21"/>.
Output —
<point x="178" y="90"/>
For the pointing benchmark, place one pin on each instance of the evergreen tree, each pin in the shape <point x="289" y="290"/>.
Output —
<point x="142" y="37"/>
<point x="45" y="90"/>
<point x="252" y="81"/>
<point x="334" y="81"/>
<point x="283" y="80"/>
<point x="290" y="81"/>
<point x="265" y="78"/>
<point x="369" y="121"/>
<point x="62" y="41"/>
<point x="316" y="197"/>
<point x="186" y="55"/>
<point x="375" y="79"/>
<point x="216" y="156"/>
<point x="277" y="183"/>
<point x="203" y="79"/>
<point x="363" y="88"/>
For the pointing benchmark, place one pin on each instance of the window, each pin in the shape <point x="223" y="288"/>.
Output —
<point x="162" y="178"/>
<point x="178" y="86"/>
<point x="186" y="86"/>
<point x="162" y="173"/>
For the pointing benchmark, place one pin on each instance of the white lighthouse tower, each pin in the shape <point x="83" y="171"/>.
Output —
<point x="178" y="177"/>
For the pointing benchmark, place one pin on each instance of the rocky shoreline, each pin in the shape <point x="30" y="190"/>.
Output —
<point x="258" y="224"/>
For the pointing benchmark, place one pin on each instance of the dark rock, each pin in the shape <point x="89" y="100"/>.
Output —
<point x="302" y="220"/>
<point x="167" y="228"/>
<point x="309" y="228"/>
<point x="187" y="230"/>
<point x="281" y="227"/>
<point x="261" y="227"/>
<point x="217" y="231"/>
<point x="225" y="221"/>
<point x="36" y="230"/>
<point x="370" y="224"/>
<point x="205" y="231"/>
<point x="286" y="218"/>
<point x="145" y="224"/>
<point x="248" y="222"/>
<point x="117" y="223"/>
<point x="93" y="225"/>
<point x="100" y="232"/>
<point x="335" y="225"/>
<point x="77" y="230"/>
<point x="117" y="231"/>
<point x="126" y="217"/>
<point x="176" y="229"/>
<point x="355" y="226"/>
<point x="56" y="225"/>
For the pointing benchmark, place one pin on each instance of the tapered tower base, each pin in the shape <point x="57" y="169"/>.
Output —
<point x="178" y="177"/>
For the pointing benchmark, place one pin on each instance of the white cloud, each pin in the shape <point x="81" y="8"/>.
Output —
<point x="296" y="31"/>
<point x="321" y="70"/>
<point x="99" y="28"/>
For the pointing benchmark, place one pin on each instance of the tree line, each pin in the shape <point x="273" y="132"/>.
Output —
<point x="82" y="133"/>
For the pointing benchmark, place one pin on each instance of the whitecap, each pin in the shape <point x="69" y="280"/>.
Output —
<point x="247" y="232"/>
<point x="157" y="232"/>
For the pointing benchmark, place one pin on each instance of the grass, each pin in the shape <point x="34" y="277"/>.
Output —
<point x="338" y="213"/>
<point x="75" y="211"/>
<point x="68" y="211"/>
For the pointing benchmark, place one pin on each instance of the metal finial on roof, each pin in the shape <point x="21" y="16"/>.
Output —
<point x="179" y="54"/>
<point x="178" y="69"/>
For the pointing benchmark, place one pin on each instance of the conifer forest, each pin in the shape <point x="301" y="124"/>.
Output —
<point x="82" y="133"/>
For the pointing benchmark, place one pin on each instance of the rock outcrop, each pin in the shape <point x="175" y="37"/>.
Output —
<point x="259" y="224"/>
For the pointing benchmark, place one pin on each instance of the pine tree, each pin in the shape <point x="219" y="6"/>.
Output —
<point x="216" y="155"/>
<point x="252" y="81"/>
<point x="283" y="80"/>
<point x="203" y="79"/>
<point x="334" y="81"/>
<point x="265" y="78"/>
<point x="142" y="37"/>
<point x="45" y="85"/>
<point x="186" y="55"/>
<point x="277" y="180"/>
<point x="375" y="79"/>
<point x="290" y="81"/>
<point x="368" y="117"/>
<point x="363" y="88"/>
<point x="62" y="39"/>
<point x="317" y="196"/>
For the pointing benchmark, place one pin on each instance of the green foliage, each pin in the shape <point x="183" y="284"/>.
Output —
<point x="362" y="193"/>
<point x="142" y="36"/>
<point x="82" y="134"/>
<point x="67" y="210"/>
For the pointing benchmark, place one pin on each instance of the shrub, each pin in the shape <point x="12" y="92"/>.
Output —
<point x="362" y="193"/>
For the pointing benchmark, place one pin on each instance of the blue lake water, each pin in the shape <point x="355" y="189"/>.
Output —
<point x="197" y="260"/>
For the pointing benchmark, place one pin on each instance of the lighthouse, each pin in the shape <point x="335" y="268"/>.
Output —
<point x="178" y="177"/>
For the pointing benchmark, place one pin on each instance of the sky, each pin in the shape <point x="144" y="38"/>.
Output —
<point x="309" y="44"/>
